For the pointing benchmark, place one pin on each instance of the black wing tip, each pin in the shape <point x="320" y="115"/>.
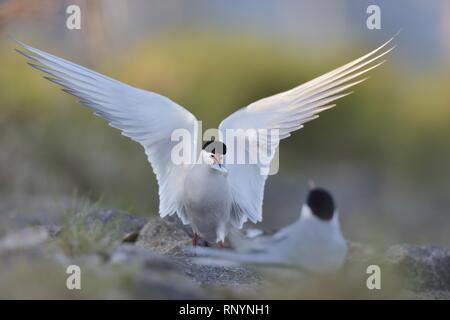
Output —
<point x="25" y="54"/>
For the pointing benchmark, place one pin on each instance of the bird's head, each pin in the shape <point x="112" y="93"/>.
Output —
<point x="213" y="152"/>
<point x="320" y="203"/>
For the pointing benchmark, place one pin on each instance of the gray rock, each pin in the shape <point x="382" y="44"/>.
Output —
<point x="163" y="237"/>
<point x="159" y="276"/>
<point x="167" y="285"/>
<point x="421" y="268"/>
<point x="174" y="221"/>
<point x="231" y="276"/>
<point x="431" y="295"/>
<point x="24" y="239"/>
<point x="169" y="239"/>
<point x="125" y="223"/>
<point x="126" y="254"/>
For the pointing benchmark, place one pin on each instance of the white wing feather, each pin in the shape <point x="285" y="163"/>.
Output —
<point x="285" y="113"/>
<point x="146" y="117"/>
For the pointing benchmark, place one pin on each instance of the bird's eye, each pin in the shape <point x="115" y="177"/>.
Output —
<point x="212" y="156"/>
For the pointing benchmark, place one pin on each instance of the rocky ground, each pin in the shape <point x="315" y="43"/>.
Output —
<point x="126" y="256"/>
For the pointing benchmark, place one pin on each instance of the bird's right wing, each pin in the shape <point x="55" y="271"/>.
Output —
<point x="276" y="117"/>
<point x="146" y="117"/>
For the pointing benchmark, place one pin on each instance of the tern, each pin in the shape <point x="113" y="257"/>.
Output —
<point x="313" y="244"/>
<point x="216" y="194"/>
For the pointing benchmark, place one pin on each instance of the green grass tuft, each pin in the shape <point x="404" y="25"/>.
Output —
<point x="80" y="236"/>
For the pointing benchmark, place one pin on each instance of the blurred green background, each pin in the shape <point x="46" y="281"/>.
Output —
<point x="384" y="151"/>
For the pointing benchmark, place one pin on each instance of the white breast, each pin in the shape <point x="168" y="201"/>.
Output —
<point x="314" y="245"/>
<point x="207" y="202"/>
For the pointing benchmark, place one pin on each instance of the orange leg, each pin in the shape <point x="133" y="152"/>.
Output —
<point x="220" y="244"/>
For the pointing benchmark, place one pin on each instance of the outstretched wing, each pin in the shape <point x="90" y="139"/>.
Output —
<point x="146" y="117"/>
<point x="279" y="115"/>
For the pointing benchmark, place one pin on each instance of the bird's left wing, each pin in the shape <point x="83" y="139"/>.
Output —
<point x="259" y="127"/>
<point x="146" y="117"/>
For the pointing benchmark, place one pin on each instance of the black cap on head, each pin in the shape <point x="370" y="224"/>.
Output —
<point x="216" y="147"/>
<point x="321" y="203"/>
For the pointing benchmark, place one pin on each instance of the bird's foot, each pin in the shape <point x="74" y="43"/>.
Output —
<point x="195" y="239"/>
<point x="220" y="245"/>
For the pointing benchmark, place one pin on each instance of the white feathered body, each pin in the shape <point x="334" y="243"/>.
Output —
<point x="312" y="244"/>
<point x="207" y="202"/>
<point x="309" y="244"/>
